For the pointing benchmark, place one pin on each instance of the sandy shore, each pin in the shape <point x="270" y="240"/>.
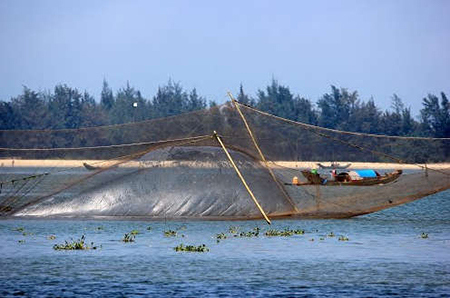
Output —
<point x="51" y="163"/>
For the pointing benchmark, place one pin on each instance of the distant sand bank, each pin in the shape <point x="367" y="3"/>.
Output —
<point x="54" y="163"/>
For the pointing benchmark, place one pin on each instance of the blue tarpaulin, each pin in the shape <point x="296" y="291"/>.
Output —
<point x="366" y="173"/>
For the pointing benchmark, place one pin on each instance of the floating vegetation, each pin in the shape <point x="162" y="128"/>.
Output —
<point x="312" y="239"/>
<point x="233" y="230"/>
<point x="220" y="236"/>
<point x="343" y="238"/>
<point x="149" y="228"/>
<point x="170" y="233"/>
<point x="254" y="233"/>
<point x="331" y="235"/>
<point x="51" y="237"/>
<point x="321" y="238"/>
<point x="284" y="233"/>
<point x="100" y="228"/>
<point x="182" y="228"/>
<point x="424" y="235"/>
<point x="21" y="241"/>
<point x="191" y="248"/>
<point x="75" y="245"/>
<point x="134" y="232"/>
<point x="128" y="237"/>
<point x="19" y="229"/>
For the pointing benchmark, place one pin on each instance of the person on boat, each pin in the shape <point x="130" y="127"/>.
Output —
<point x="333" y="175"/>
<point x="318" y="179"/>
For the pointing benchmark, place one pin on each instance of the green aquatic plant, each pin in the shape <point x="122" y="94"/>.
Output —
<point x="343" y="238"/>
<point x="128" y="237"/>
<point x="321" y="238"/>
<point x="21" y="241"/>
<point x="19" y="229"/>
<point x="253" y="233"/>
<point x="134" y="232"/>
<point x="220" y="236"/>
<point x="191" y="248"/>
<point x="51" y="237"/>
<point x="331" y="235"/>
<point x="424" y="235"/>
<point x="75" y="245"/>
<point x="149" y="228"/>
<point x="284" y="233"/>
<point x="170" y="233"/>
<point x="299" y="232"/>
<point x="233" y="230"/>
<point x="312" y="239"/>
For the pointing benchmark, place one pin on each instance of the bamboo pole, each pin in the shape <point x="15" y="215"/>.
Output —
<point x="241" y="177"/>
<point x="263" y="158"/>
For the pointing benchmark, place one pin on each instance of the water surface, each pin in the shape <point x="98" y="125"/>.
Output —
<point x="385" y="256"/>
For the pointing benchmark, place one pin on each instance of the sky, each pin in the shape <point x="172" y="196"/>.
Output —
<point x="375" y="47"/>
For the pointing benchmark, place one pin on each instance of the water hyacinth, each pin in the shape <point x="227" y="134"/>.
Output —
<point x="343" y="238"/>
<point x="191" y="248"/>
<point x="254" y="233"/>
<point x="75" y="245"/>
<point x="233" y="230"/>
<point x="424" y="235"/>
<point x="284" y="233"/>
<point x="128" y="237"/>
<point x="220" y="236"/>
<point x="170" y="233"/>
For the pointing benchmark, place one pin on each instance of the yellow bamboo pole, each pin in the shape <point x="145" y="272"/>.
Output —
<point x="241" y="177"/>
<point x="263" y="158"/>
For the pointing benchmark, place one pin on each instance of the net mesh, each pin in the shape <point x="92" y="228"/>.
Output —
<point x="174" y="167"/>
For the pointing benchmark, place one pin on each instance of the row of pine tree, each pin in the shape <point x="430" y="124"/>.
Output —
<point x="341" y="109"/>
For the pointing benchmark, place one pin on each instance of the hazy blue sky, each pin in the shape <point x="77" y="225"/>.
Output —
<point x="376" y="47"/>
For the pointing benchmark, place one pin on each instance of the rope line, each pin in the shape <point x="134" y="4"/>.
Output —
<point x="105" y="126"/>
<point x="341" y="131"/>
<point x="314" y="129"/>
<point x="105" y="146"/>
<point x="263" y="158"/>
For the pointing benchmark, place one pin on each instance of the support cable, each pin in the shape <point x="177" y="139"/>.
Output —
<point x="216" y="136"/>
<point x="314" y="129"/>
<point x="263" y="158"/>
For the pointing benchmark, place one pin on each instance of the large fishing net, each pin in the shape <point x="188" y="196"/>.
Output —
<point x="176" y="167"/>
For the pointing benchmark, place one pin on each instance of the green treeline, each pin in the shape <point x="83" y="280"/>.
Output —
<point x="341" y="109"/>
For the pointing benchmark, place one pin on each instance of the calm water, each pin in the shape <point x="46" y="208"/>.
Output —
<point x="385" y="257"/>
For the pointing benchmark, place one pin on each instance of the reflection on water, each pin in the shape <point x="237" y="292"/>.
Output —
<point x="385" y="257"/>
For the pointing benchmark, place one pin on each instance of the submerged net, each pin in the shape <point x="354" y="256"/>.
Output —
<point x="174" y="167"/>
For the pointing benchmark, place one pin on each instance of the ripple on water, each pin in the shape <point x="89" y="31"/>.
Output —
<point x="384" y="257"/>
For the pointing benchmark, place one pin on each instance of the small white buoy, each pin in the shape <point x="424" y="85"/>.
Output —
<point x="134" y="104"/>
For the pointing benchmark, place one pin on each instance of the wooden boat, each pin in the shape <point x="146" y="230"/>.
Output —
<point x="344" y="179"/>
<point x="334" y="166"/>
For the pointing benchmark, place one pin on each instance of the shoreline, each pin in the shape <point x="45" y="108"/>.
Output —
<point x="55" y="163"/>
